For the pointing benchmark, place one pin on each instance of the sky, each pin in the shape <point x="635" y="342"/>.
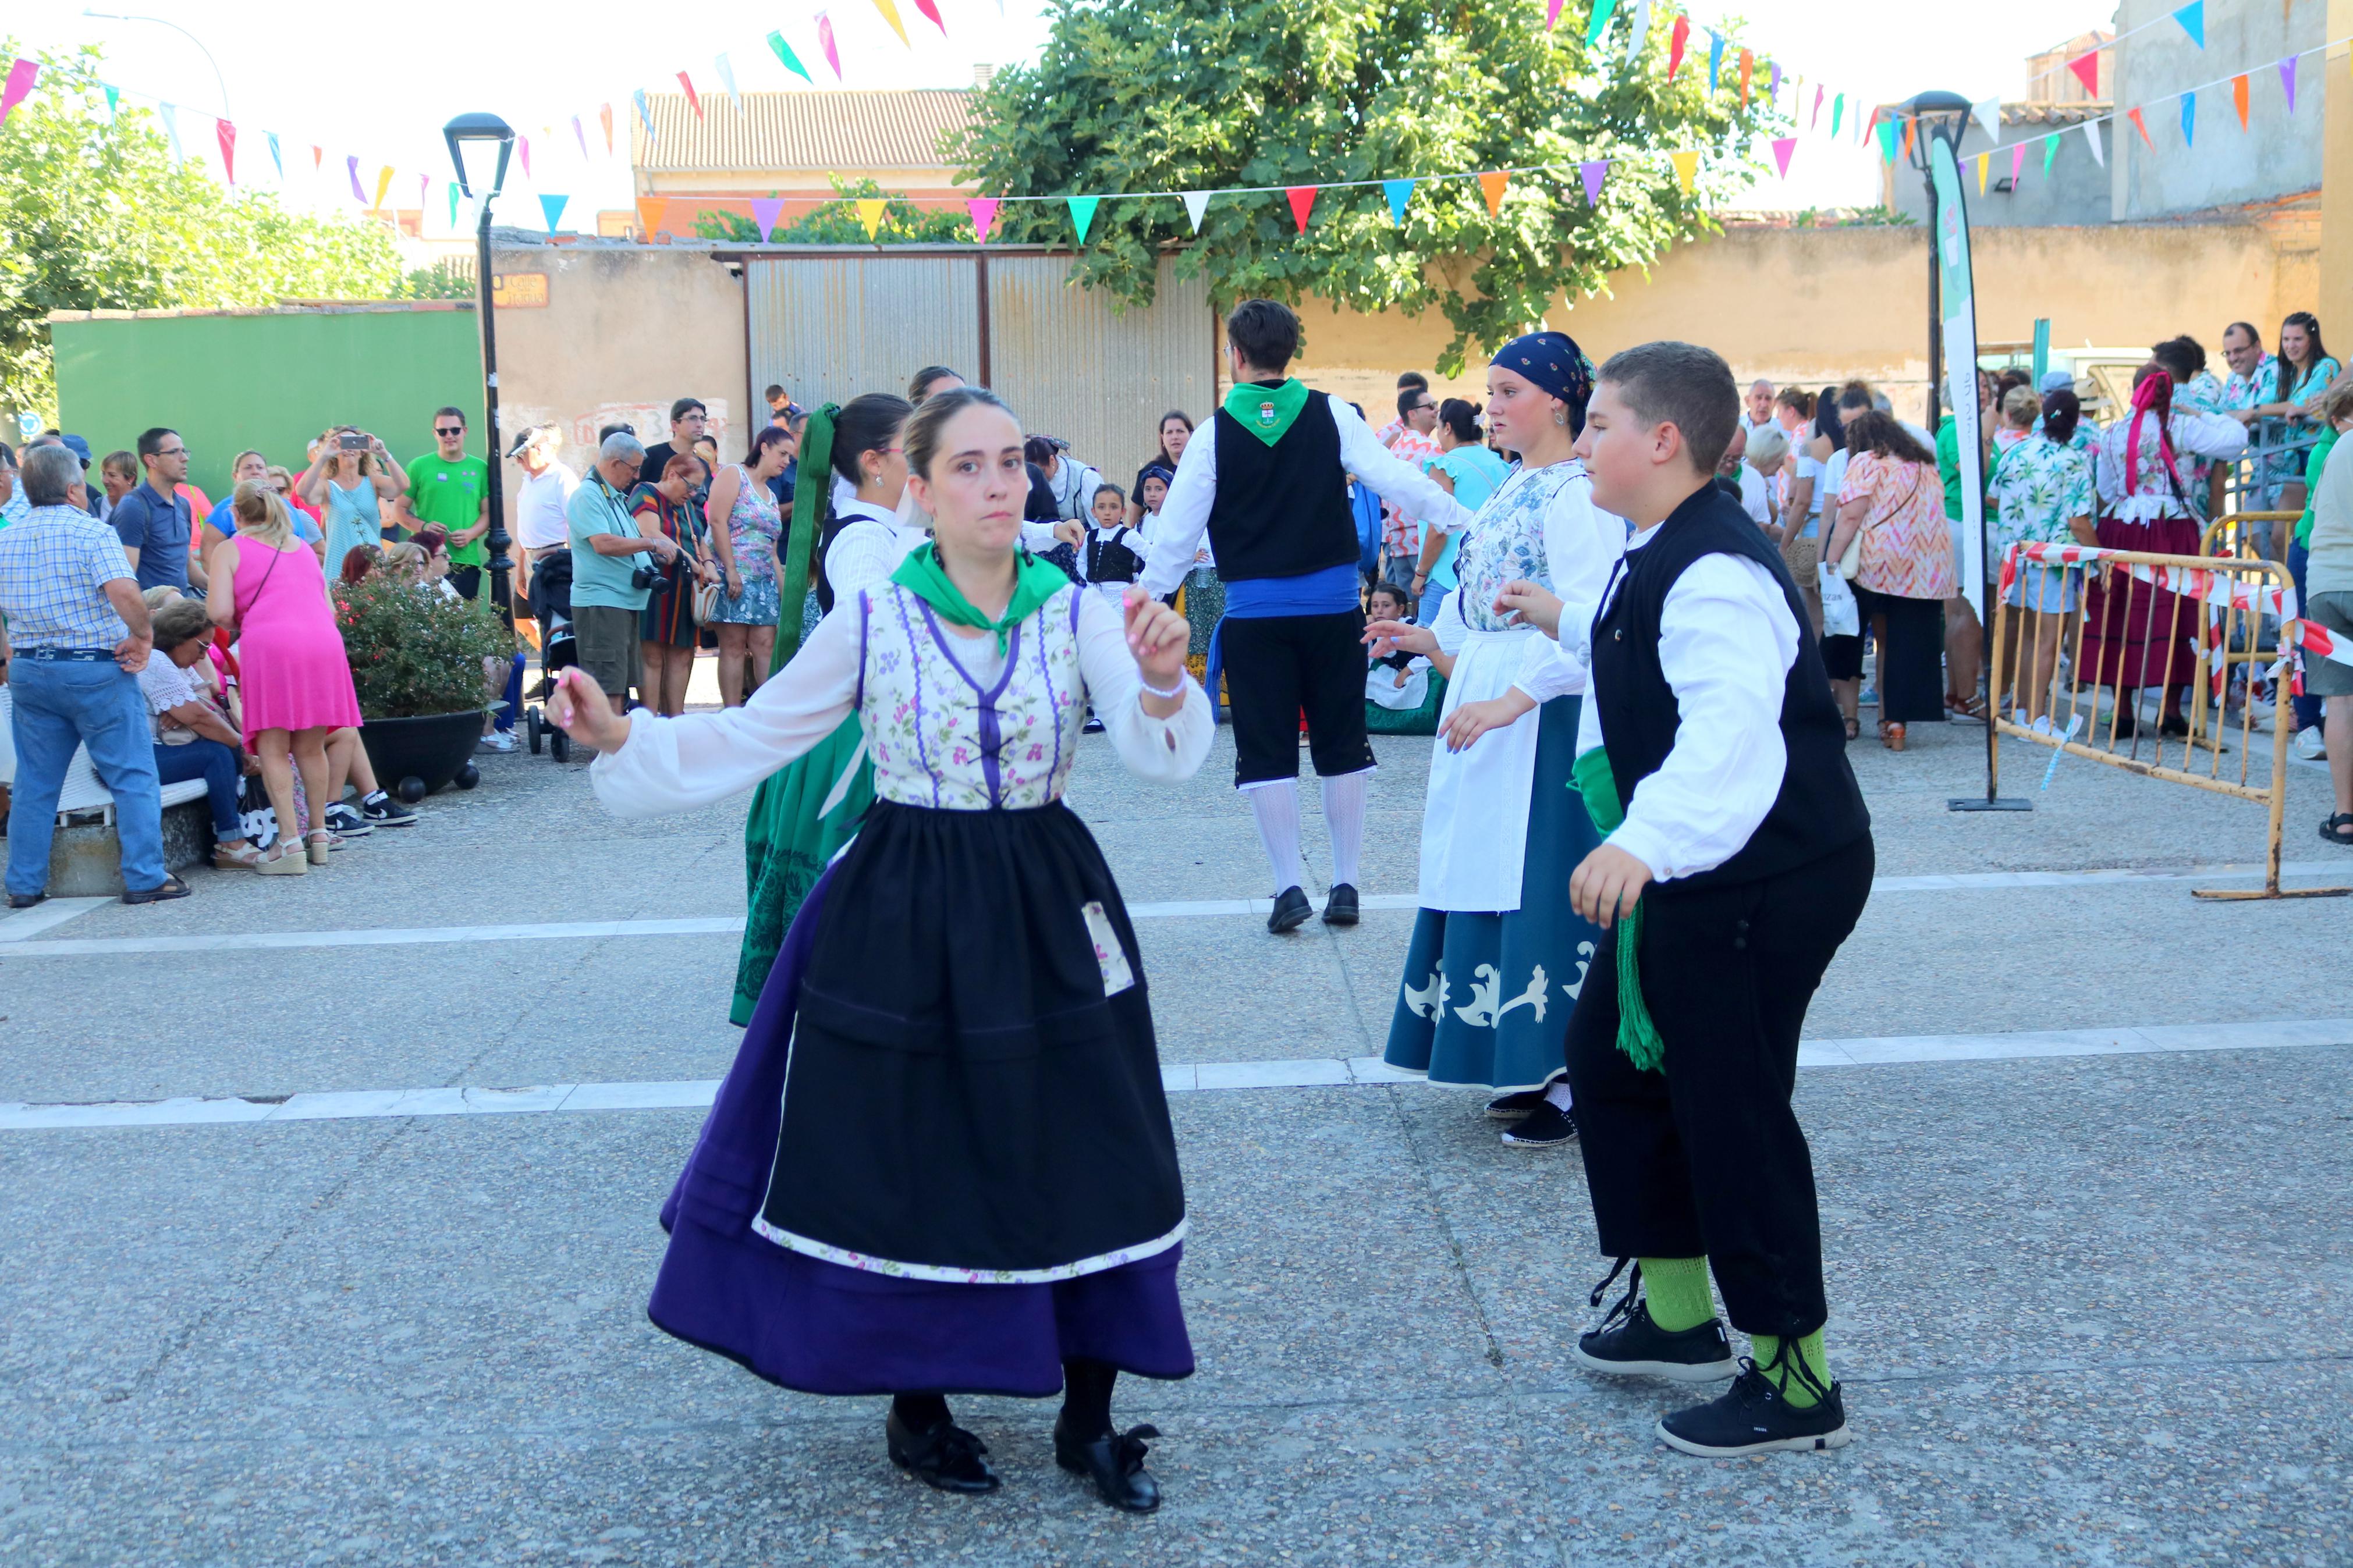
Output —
<point x="376" y="81"/>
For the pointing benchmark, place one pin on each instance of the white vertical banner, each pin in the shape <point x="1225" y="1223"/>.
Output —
<point x="1957" y="307"/>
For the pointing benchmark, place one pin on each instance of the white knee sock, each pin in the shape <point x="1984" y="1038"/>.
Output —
<point x="1343" y="815"/>
<point x="1557" y="1093"/>
<point x="1275" y="805"/>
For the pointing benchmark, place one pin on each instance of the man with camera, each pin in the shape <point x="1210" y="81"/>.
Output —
<point x="609" y="583"/>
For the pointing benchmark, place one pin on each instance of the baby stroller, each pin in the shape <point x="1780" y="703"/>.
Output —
<point x="551" y="605"/>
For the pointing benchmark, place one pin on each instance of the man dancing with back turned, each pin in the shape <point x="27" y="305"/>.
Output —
<point x="1267" y="476"/>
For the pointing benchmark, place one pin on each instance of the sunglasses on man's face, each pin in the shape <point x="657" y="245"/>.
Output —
<point x="448" y="429"/>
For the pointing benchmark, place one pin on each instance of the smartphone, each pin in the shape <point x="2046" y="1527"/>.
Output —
<point x="352" y="441"/>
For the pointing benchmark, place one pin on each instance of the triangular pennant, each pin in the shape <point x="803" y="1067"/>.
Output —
<point x="1715" y="59"/>
<point x="766" y="211"/>
<point x="2140" y="125"/>
<point x="226" y="134"/>
<point x="453" y="204"/>
<point x="2287" y="81"/>
<point x="1985" y="161"/>
<point x="693" y="98"/>
<point x="651" y="210"/>
<point x="825" y="42"/>
<point x="1552" y="15"/>
<point x="352" y="167"/>
<point x="171" y="113"/>
<point x="1302" y="201"/>
<point x="1399" y="192"/>
<point x="423" y="182"/>
<point x="1640" y="29"/>
<point x="277" y="162"/>
<point x="1887" y="140"/>
<point x="317" y="154"/>
<point x="2189" y="119"/>
<point x="869" y="213"/>
<point x="2050" y="152"/>
<point x="931" y="10"/>
<point x="1686" y="169"/>
<point x="1987" y="112"/>
<point x="581" y="136"/>
<point x="523" y="142"/>
<point x="1599" y="23"/>
<point x="1491" y="185"/>
<point x="1910" y="127"/>
<point x="2087" y="71"/>
<point x="22" y="73"/>
<point x="2240" y="91"/>
<point x="891" y="15"/>
<point x="984" y="216"/>
<point x="2017" y="162"/>
<point x="113" y="100"/>
<point x="1592" y="173"/>
<point x="383" y="183"/>
<point x="1747" y="71"/>
<point x="1782" y="147"/>
<point x="1773" y="81"/>
<point x="1838" y="112"/>
<point x="604" y="118"/>
<point x="1678" y="39"/>
<point x="1082" y="214"/>
<point x="2192" y="18"/>
<point x="1195" y="203"/>
<point x="2092" y="134"/>
<point x="789" y="61"/>
<point x="726" y="70"/>
<point x="645" y="115"/>
<point x="552" y="209"/>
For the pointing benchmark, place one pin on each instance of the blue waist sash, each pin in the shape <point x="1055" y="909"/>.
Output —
<point x="1333" y="590"/>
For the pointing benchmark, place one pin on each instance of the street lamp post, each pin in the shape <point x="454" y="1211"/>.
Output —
<point x="476" y="135"/>
<point x="1933" y="114"/>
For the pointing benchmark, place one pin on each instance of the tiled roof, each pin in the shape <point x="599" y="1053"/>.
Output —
<point x="2053" y="113"/>
<point x="822" y="131"/>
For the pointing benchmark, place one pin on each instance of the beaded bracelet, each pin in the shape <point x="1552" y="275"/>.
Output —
<point x="1171" y="695"/>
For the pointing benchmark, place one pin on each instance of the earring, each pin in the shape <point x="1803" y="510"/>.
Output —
<point x="1560" y="417"/>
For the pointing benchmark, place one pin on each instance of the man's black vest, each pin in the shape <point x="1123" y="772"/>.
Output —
<point x="1820" y="808"/>
<point x="1282" y="510"/>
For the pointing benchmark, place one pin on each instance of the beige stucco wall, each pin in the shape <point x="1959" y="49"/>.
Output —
<point x="2333" y="281"/>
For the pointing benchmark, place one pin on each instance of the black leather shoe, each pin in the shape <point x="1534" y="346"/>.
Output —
<point x="947" y="1457"/>
<point x="24" y="900"/>
<point x="1340" y="905"/>
<point x="1114" y="1461"/>
<point x="1291" y="911"/>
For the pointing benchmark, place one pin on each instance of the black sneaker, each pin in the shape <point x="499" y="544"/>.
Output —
<point x="1752" y="1417"/>
<point x="1513" y="1105"/>
<point x="1340" y="905"/>
<point x="1290" y="911"/>
<point x="342" y="819"/>
<point x="383" y="811"/>
<point x="1546" y="1127"/>
<point x="1627" y="1343"/>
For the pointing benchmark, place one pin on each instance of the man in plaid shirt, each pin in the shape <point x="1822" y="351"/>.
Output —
<point x="76" y="635"/>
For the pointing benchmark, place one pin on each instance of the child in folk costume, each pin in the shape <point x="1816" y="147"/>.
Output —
<point x="1498" y="956"/>
<point x="1113" y="552"/>
<point x="942" y="1161"/>
<point x="1738" y="859"/>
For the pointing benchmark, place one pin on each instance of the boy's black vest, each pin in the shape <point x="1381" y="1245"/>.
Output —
<point x="1282" y="510"/>
<point x="1819" y="809"/>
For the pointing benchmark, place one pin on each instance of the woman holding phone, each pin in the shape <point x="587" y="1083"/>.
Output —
<point x="350" y="479"/>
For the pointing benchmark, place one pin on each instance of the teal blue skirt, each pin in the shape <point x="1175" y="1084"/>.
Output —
<point x="1485" y="998"/>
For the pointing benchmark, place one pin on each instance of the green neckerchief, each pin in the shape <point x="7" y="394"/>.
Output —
<point x="1638" y="1036"/>
<point x="1266" y="412"/>
<point x="812" y="504"/>
<point x="1034" y="583"/>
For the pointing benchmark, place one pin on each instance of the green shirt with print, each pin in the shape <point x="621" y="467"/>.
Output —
<point x="451" y="493"/>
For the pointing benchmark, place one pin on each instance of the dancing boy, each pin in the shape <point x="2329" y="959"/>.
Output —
<point x="1742" y="861"/>
<point x="1267" y="476"/>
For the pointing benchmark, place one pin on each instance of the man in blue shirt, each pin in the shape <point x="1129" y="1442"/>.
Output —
<point x="154" y="521"/>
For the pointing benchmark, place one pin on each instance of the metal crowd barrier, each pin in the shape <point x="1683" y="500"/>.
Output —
<point x="2140" y="614"/>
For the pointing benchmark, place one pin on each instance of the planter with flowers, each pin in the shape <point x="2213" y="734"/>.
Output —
<point x="417" y="664"/>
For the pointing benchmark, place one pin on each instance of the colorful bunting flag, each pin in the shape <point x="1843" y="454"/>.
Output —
<point x="651" y="212"/>
<point x="2092" y="134"/>
<point x="453" y="204"/>
<point x="226" y="134"/>
<point x="2087" y="71"/>
<point x="930" y="9"/>
<point x="1302" y="201"/>
<point x="891" y="15"/>
<point x="525" y="142"/>
<point x="1686" y="169"/>
<point x="424" y="181"/>
<point x="1815" y="123"/>
<point x="2239" y="94"/>
<point x="317" y="153"/>
<point x="1640" y="29"/>
<point x="2287" y="81"/>
<point x="693" y="98"/>
<point x="22" y="73"/>
<point x="1082" y="214"/>
<point x="1399" y="192"/>
<point x="825" y="42"/>
<point x="352" y="167"/>
<point x="1593" y="173"/>
<point x="789" y="61"/>
<point x="278" y="162"/>
<point x="2192" y="18"/>
<point x="552" y="209"/>
<point x="1886" y="141"/>
<point x="869" y="213"/>
<point x="2189" y="119"/>
<point x="1748" y="71"/>
<point x="1910" y="126"/>
<point x="1195" y="203"/>
<point x="171" y="113"/>
<point x="580" y="136"/>
<point x="726" y="70"/>
<point x="1773" y="82"/>
<point x="2050" y="152"/>
<point x="604" y="118"/>
<point x="1678" y="39"/>
<point x="1599" y="25"/>
<point x="766" y="211"/>
<point x="1782" y="147"/>
<point x="2017" y="162"/>
<point x="1985" y="160"/>
<point x="645" y="115"/>
<point x="1714" y="58"/>
<point x="2140" y="125"/>
<point x="984" y="216"/>
<point x="383" y="183"/>
<point x="113" y="101"/>
<point x="1552" y="15"/>
<point x="1987" y="112"/>
<point x="1838" y="112"/>
<point x="1491" y="185"/>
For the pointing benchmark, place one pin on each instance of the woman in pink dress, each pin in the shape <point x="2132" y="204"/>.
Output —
<point x="295" y="679"/>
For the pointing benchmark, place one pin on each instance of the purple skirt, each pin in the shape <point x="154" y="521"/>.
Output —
<point x="822" y="1328"/>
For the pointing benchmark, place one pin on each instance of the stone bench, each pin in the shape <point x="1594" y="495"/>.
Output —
<point x="86" y="856"/>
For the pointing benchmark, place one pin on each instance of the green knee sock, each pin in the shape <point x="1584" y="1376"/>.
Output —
<point x="1676" y="1290"/>
<point x="1764" y="1349"/>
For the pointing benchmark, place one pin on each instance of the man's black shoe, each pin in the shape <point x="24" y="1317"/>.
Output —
<point x="1291" y="911"/>
<point x="24" y="900"/>
<point x="1752" y="1417"/>
<point x="946" y="1457"/>
<point x="1340" y="905"/>
<point x="1627" y="1343"/>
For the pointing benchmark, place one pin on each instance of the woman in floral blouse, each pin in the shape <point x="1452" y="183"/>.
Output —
<point x="2041" y="493"/>
<point x="1890" y="492"/>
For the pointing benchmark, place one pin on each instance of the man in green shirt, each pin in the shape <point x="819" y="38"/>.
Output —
<point x="447" y="487"/>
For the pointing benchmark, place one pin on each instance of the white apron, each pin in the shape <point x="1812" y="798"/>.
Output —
<point x="1475" y="820"/>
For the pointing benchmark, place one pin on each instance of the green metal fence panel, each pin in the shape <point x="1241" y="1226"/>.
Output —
<point x="269" y="379"/>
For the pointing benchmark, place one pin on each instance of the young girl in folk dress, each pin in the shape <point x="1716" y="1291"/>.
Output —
<point x="942" y="1163"/>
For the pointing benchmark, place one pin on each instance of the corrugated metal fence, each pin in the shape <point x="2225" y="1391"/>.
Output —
<point x="830" y="326"/>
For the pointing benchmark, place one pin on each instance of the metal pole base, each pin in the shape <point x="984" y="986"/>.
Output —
<point x="1979" y="802"/>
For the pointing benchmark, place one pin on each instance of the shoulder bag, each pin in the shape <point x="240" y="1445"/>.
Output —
<point x="1850" y="562"/>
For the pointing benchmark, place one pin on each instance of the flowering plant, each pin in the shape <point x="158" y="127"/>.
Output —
<point x="413" y="650"/>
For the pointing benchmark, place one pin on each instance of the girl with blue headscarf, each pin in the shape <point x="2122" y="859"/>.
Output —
<point x="1498" y="955"/>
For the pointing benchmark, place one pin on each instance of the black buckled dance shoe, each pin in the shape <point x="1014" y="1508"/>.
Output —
<point x="1291" y="911"/>
<point x="1114" y="1462"/>
<point x="946" y="1456"/>
<point x="1340" y="905"/>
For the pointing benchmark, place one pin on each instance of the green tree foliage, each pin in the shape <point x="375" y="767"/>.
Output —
<point x="95" y="217"/>
<point x="837" y="222"/>
<point x="1135" y="96"/>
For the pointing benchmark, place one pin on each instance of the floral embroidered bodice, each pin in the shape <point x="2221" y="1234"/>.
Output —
<point x="1507" y="543"/>
<point x="941" y="737"/>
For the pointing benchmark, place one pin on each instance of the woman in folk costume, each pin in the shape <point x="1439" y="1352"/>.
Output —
<point x="852" y="488"/>
<point x="942" y="1163"/>
<point x="1498" y="956"/>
